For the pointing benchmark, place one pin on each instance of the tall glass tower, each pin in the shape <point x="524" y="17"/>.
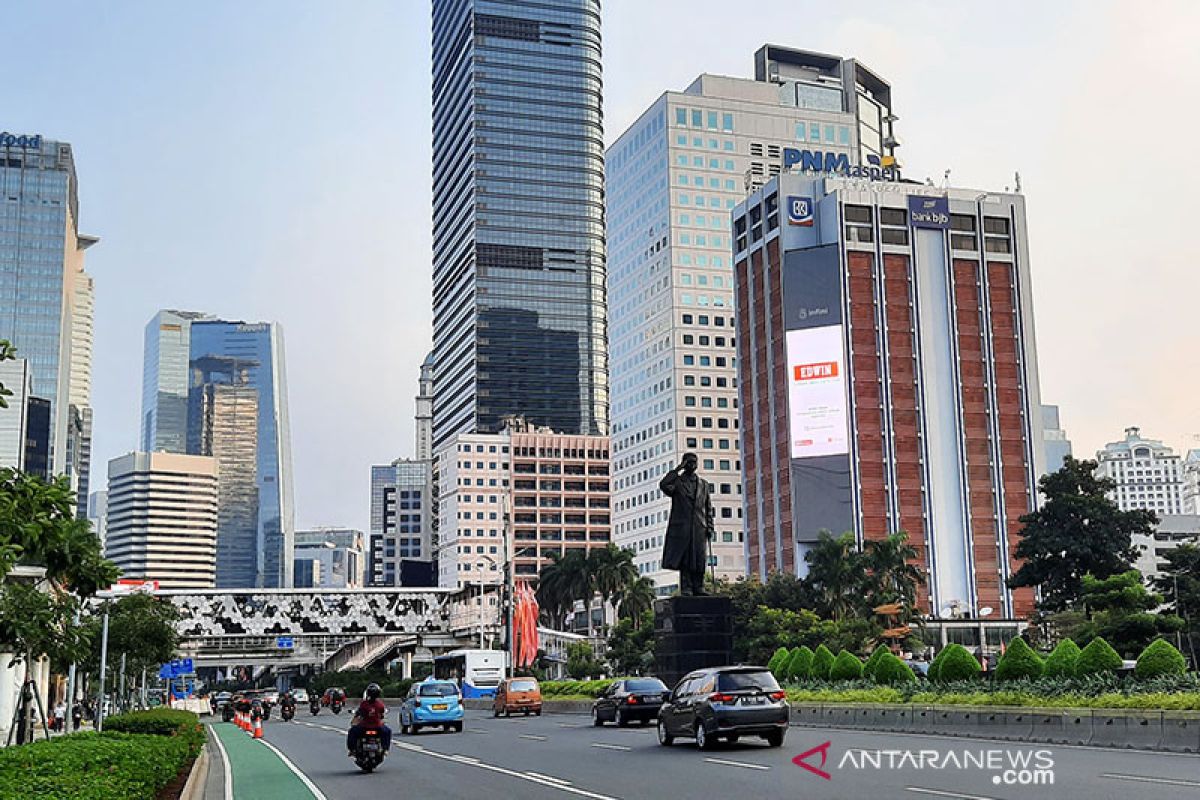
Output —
<point x="165" y="381"/>
<point x="518" y="216"/>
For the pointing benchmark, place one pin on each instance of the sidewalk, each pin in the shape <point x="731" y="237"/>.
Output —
<point x="258" y="772"/>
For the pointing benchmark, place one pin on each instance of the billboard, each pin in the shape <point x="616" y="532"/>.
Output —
<point x="818" y="419"/>
<point x="800" y="211"/>
<point x="929" y="212"/>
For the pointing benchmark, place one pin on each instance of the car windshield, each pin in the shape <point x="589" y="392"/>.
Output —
<point x="522" y="686"/>
<point x="439" y="690"/>
<point x="741" y="681"/>
<point x="645" y="686"/>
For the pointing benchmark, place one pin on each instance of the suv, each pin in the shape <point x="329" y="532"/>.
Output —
<point x="725" y="703"/>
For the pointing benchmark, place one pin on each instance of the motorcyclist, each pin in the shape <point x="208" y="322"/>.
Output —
<point x="369" y="716"/>
<point x="287" y="704"/>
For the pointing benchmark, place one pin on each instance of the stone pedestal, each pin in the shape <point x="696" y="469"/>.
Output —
<point x="691" y="633"/>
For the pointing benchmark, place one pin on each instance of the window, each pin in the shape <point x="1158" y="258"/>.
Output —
<point x="712" y="120"/>
<point x="801" y="131"/>
<point x="697" y="118"/>
<point x="727" y="122"/>
<point x="681" y="116"/>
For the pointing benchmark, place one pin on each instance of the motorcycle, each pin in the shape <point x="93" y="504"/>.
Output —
<point x="314" y="706"/>
<point x="227" y="712"/>
<point x="335" y="706"/>
<point x="368" y="753"/>
<point x="287" y="712"/>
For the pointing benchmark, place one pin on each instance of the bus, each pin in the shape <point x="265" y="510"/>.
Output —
<point x="477" y="672"/>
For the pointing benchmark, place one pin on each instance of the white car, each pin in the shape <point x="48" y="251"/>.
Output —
<point x="301" y="695"/>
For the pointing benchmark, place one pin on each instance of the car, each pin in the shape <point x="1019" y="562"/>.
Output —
<point x="517" y="694"/>
<point x="221" y="699"/>
<point x="271" y="696"/>
<point x="300" y="695"/>
<point x="725" y="703"/>
<point x="432" y="702"/>
<point x="629" y="700"/>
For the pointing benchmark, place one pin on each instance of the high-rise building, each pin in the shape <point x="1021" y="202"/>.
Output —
<point x="222" y="367"/>
<point x="1170" y="532"/>
<point x="98" y="514"/>
<point x="46" y="298"/>
<point x="673" y="179"/>
<point x="1190" y="478"/>
<point x="401" y="518"/>
<point x="161" y="519"/>
<point x="423" y="418"/>
<point x="1148" y="474"/>
<point x="555" y="487"/>
<point x="888" y="375"/>
<point x="1055" y="442"/>
<point x="330" y="558"/>
<point x="25" y="423"/>
<point x="518" y="216"/>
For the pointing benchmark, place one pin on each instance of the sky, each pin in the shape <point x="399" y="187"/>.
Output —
<point x="271" y="161"/>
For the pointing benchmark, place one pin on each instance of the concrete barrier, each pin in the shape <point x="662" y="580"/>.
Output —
<point x="1076" y="726"/>
<point x="1181" y="732"/>
<point x="807" y="714"/>
<point x="1017" y="726"/>
<point x="1143" y="730"/>
<point x="1108" y="728"/>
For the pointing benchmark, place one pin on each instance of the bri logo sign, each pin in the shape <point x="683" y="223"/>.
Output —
<point x="800" y="211"/>
<point x="12" y="140"/>
<point x="839" y="164"/>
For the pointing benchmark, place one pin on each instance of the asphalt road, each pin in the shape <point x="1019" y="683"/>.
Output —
<point x="560" y="756"/>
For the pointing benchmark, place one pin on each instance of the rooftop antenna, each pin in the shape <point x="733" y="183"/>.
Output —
<point x="946" y="179"/>
<point x="1017" y="178"/>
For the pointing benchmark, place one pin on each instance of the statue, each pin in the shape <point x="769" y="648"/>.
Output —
<point x="690" y="526"/>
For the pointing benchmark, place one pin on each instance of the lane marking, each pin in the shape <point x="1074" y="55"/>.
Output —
<point x="1144" y="779"/>
<point x="610" y="746"/>
<point x="312" y="787"/>
<point x="735" y="763"/>
<point x="469" y="759"/>
<point x="935" y="792"/>
<point x="224" y="765"/>
<point x="531" y="736"/>
<point x="559" y="781"/>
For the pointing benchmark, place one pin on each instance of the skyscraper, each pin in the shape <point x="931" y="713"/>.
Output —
<point x="219" y="367"/>
<point x="423" y="418"/>
<point x="45" y="296"/>
<point x="402" y="511"/>
<point x="1055" y="441"/>
<point x="1148" y="473"/>
<point x="673" y="178"/>
<point x="518" y="227"/>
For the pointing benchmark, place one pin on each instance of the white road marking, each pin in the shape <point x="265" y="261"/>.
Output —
<point x="531" y="736"/>
<point x="611" y="746"/>
<point x="559" y="781"/>
<point x="1143" y="779"/>
<point x="312" y="787"/>
<point x="224" y="765"/>
<point x="471" y="759"/>
<point x="736" y="763"/>
<point x="937" y="793"/>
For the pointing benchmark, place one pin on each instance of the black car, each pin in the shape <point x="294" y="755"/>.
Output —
<point x="725" y="703"/>
<point x="628" y="700"/>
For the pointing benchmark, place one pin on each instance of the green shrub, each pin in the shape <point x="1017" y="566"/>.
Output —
<point x="1160" y="658"/>
<point x="957" y="664"/>
<point x="778" y="662"/>
<point x="800" y="664"/>
<point x="822" y="662"/>
<point x="935" y="666"/>
<point x="1019" y="661"/>
<point x="889" y="669"/>
<point x="846" y="667"/>
<point x="1096" y="658"/>
<point x="1061" y="661"/>
<point x="873" y="660"/>
<point x="161" y="722"/>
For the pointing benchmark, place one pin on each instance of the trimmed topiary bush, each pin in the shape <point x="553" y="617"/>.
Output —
<point x="935" y="666"/>
<point x="1097" y="658"/>
<point x="957" y="664"/>
<point x="778" y="662"/>
<point x="889" y="669"/>
<point x="1019" y="661"/>
<point x="873" y="661"/>
<point x="1061" y="661"/>
<point x="1160" y="658"/>
<point x="800" y="664"/>
<point x="822" y="663"/>
<point x="846" y="667"/>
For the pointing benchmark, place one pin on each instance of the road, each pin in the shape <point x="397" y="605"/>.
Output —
<point x="561" y="756"/>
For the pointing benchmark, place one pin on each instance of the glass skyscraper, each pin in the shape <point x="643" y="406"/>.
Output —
<point x="211" y="370"/>
<point x="518" y="216"/>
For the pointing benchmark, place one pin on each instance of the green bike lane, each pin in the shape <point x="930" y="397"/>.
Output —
<point x="256" y="770"/>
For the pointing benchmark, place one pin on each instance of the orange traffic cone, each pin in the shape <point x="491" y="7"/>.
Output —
<point x="258" y="729"/>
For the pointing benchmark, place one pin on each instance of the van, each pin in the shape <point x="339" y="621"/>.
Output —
<point x="517" y="694"/>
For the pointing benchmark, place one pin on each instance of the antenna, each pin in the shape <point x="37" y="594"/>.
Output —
<point x="1017" y="178"/>
<point x="946" y="179"/>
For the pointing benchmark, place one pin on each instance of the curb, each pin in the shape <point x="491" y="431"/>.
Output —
<point x="193" y="789"/>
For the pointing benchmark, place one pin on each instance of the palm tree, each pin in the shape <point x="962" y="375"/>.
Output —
<point x="553" y="591"/>
<point x="895" y="575"/>
<point x="612" y="570"/>
<point x="836" y="572"/>
<point x="636" y="599"/>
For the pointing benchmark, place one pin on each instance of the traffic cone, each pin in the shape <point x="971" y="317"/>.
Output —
<point x="258" y="729"/>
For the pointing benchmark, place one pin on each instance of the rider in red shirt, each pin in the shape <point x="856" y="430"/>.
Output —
<point x="369" y="716"/>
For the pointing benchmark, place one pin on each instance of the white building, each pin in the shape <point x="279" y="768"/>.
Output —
<point x="473" y="483"/>
<point x="1171" y="531"/>
<point x="1148" y="474"/>
<point x="98" y="515"/>
<point x="17" y="377"/>
<point x="424" y="411"/>
<point x="673" y="178"/>
<point x="329" y="558"/>
<point x="162" y="518"/>
<point x="402" y="518"/>
<point x="1190" y="476"/>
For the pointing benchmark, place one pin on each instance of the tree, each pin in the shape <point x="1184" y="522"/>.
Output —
<point x="140" y="626"/>
<point x="778" y="663"/>
<point x="837" y="575"/>
<point x="1179" y="583"/>
<point x="873" y="661"/>
<point x="561" y="582"/>
<point x="631" y="647"/>
<point x="1120" y="609"/>
<point x="581" y="663"/>
<point x="894" y="577"/>
<point x="1077" y="531"/>
<point x="635" y="599"/>
<point x="612" y="570"/>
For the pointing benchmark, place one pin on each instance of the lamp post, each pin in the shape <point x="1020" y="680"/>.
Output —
<point x="479" y="564"/>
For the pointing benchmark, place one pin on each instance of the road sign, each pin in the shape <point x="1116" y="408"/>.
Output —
<point x="177" y="668"/>
<point x="285" y="643"/>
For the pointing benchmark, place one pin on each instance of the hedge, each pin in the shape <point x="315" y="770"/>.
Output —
<point x="800" y="664"/>
<point x="778" y="663"/>
<point x="1019" y="661"/>
<point x="1061" y="662"/>
<point x="846" y="667"/>
<point x="1160" y="658"/>
<point x="822" y="662"/>
<point x="160" y="722"/>
<point x="869" y="667"/>
<point x="1098" y="657"/>
<point x="957" y="664"/>
<point x="889" y="669"/>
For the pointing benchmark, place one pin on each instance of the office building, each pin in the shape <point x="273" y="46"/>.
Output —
<point x="25" y="423"/>
<point x="46" y="298"/>
<point x="98" y="515"/>
<point x="1148" y="474"/>
<point x="555" y="488"/>
<point x="1171" y="531"/>
<point x="518" y="217"/>
<point x="673" y="179"/>
<point x="888" y="375"/>
<point x="1054" y="439"/>
<point x="231" y="378"/>
<point x="423" y="418"/>
<point x="330" y="558"/>
<point x="401" y="518"/>
<point x="161" y="520"/>
<point x="1189" y="490"/>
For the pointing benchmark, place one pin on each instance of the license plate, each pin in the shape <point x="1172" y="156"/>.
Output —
<point x="651" y="699"/>
<point x="371" y="747"/>
<point x="440" y="707"/>
<point x="753" y="701"/>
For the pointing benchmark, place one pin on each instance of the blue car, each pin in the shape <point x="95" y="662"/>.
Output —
<point x="432" y="702"/>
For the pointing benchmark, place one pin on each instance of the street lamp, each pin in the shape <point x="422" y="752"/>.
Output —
<point x="479" y="564"/>
<point x="986" y="611"/>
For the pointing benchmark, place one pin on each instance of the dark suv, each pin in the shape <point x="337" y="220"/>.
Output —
<point x="725" y="703"/>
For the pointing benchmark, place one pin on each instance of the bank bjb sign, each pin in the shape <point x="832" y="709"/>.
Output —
<point x="28" y="142"/>
<point x="929" y="212"/>
<point x="838" y="164"/>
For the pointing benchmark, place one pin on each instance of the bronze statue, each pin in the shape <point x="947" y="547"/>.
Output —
<point x="690" y="525"/>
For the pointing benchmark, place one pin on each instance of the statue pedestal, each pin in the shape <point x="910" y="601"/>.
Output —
<point x="691" y="633"/>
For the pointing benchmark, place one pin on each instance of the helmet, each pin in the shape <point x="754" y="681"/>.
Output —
<point x="373" y="691"/>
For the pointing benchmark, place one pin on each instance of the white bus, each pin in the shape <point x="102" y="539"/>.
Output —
<point x="477" y="672"/>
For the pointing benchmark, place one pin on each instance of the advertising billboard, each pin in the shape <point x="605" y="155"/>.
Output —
<point x="817" y="392"/>
<point x="929" y="212"/>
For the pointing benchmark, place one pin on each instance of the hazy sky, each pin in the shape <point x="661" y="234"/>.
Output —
<point x="271" y="161"/>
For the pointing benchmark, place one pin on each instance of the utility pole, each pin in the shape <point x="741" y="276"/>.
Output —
<point x="508" y="589"/>
<point x="122" y="694"/>
<point x="70" y="686"/>
<point x="103" y="665"/>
